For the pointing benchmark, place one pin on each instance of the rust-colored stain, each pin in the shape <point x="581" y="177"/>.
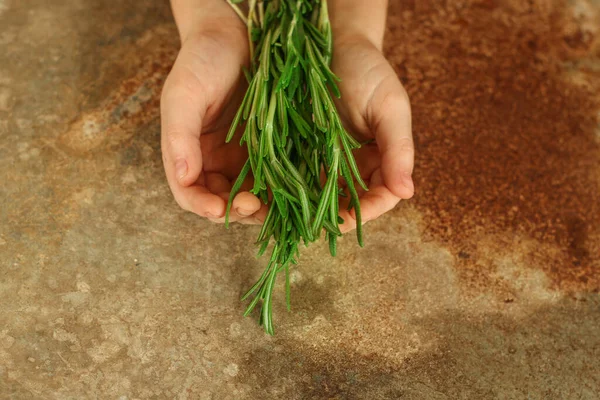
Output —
<point x="506" y="144"/>
<point x="131" y="104"/>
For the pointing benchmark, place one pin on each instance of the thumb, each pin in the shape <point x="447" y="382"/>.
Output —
<point x="183" y="106"/>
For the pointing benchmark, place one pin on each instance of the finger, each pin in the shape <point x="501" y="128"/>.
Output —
<point x="374" y="203"/>
<point x="349" y="219"/>
<point x="257" y="218"/>
<point x="390" y="120"/>
<point x="246" y="208"/>
<point x="199" y="200"/>
<point x="245" y="204"/>
<point x="250" y="221"/>
<point x="378" y="200"/>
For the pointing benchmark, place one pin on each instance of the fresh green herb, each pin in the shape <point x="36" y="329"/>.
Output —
<point x="294" y="137"/>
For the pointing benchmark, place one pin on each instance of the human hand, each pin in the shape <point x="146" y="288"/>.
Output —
<point x="198" y="102"/>
<point x="374" y="105"/>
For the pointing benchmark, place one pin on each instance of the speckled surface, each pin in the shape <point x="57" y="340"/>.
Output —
<point x="485" y="286"/>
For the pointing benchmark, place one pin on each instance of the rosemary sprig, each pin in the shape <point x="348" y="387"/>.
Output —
<point x="294" y="135"/>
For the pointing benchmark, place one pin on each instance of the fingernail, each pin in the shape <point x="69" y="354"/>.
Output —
<point x="181" y="169"/>
<point x="211" y="216"/>
<point x="408" y="182"/>
<point x="243" y="213"/>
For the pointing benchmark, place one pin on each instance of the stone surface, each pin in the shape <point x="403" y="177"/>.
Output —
<point x="483" y="286"/>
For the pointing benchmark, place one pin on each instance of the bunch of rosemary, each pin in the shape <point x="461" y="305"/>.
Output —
<point x="294" y="137"/>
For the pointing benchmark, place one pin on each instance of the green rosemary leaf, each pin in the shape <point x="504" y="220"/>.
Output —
<point x="249" y="94"/>
<point x="333" y="245"/>
<point x="234" y="125"/>
<point x="355" y="202"/>
<point x="276" y="35"/>
<point x="281" y="107"/>
<point x="306" y="214"/>
<point x="263" y="248"/>
<point x="235" y="189"/>
<point x="303" y="229"/>
<point x="265" y="59"/>
<point x="323" y="203"/>
<point x="285" y="131"/>
<point x="293" y="171"/>
<point x="333" y="208"/>
<point x="323" y="64"/>
<point x="247" y="74"/>
<point x="316" y="165"/>
<point x="262" y="106"/>
<point x="267" y="226"/>
<point x="331" y="228"/>
<point x="317" y="106"/>
<point x="264" y="196"/>
<point x="267" y="316"/>
<point x="288" y="301"/>
<point x="294" y="81"/>
<point x="264" y="275"/>
<point x="286" y="74"/>
<point x="352" y="162"/>
<point x="268" y="128"/>
<point x="316" y="34"/>
<point x="281" y="202"/>
<point x="278" y="61"/>
<point x="288" y="196"/>
<point x="299" y="123"/>
<point x="354" y="144"/>
<point x="255" y="300"/>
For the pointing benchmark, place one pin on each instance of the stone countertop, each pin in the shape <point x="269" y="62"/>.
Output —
<point x="485" y="285"/>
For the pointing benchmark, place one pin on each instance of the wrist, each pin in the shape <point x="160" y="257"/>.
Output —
<point x="358" y="20"/>
<point x="198" y="17"/>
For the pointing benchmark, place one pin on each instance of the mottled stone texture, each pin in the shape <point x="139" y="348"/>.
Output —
<point x="485" y="286"/>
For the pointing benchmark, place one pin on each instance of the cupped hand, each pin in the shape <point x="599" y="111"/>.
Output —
<point x="205" y="87"/>
<point x="376" y="109"/>
<point x="198" y="101"/>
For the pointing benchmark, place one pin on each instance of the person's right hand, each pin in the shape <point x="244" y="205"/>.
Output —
<point x="199" y="99"/>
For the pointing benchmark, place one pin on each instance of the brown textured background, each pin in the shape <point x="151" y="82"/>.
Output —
<point x="484" y="286"/>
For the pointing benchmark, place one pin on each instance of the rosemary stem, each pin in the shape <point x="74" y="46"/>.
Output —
<point x="238" y="12"/>
<point x="292" y="132"/>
